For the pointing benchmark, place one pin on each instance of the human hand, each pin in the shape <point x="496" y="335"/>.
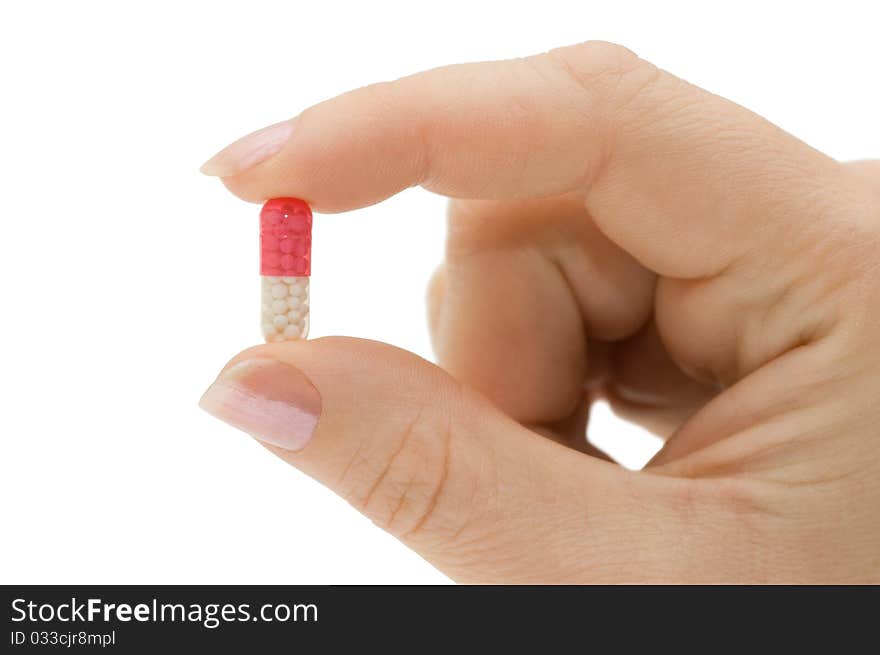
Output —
<point x="615" y="233"/>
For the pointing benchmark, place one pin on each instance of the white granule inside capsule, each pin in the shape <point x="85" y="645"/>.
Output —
<point x="285" y="308"/>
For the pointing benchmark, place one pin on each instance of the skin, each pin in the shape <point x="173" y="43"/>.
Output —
<point x="613" y="232"/>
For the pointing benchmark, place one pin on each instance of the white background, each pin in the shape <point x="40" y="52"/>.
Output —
<point x="128" y="279"/>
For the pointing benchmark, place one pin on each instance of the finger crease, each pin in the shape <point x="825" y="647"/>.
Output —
<point x="407" y="435"/>
<point x="441" y="483"/>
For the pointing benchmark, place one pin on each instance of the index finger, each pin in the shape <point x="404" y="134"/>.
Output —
<point x="659" y="161"/>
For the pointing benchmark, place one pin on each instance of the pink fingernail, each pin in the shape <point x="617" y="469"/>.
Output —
<point x="249" y="150"/>
<point x="272" y="401"/>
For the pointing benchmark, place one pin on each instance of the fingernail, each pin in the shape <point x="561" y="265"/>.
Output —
<point x="249" y="150"/>
<point x="272" y="401"/>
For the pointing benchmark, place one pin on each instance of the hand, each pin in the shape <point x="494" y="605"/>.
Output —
<point x="615" y="233"/>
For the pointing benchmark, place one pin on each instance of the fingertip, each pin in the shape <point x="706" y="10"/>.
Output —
<point x="241" y="187"/>
<point x="299" y="174"/>
<point x="249" y="151"/>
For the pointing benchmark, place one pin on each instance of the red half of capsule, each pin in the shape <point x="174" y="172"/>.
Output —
<point x="286" y="238"/>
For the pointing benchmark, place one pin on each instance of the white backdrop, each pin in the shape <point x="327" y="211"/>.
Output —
<point x="128" y="279"/>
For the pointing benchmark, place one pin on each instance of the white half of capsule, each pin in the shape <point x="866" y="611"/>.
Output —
<point x="285" y="308"/>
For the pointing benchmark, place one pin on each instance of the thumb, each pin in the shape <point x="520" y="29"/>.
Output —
<point x="476" y="494"/>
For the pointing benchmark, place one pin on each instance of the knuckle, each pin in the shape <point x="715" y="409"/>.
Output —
<point x="853" y="237"/>
<point x="608" y="70"/>
<point x="586" y="61"/>
<point x="621" y="91"/>
<point x="831" y="269"/>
